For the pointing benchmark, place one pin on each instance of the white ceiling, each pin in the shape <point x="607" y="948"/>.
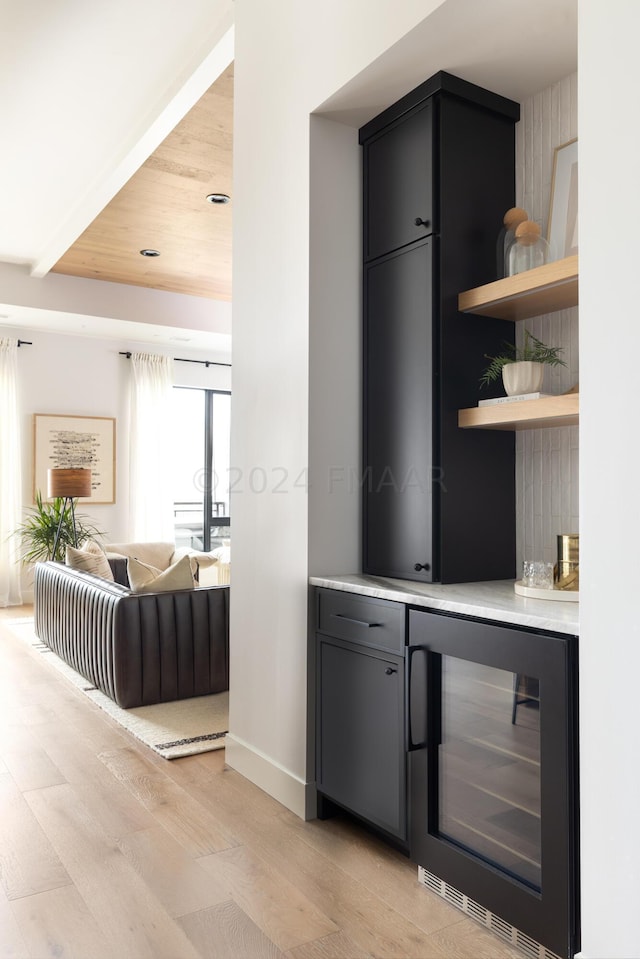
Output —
<point x="515" y="48"/>
<point x="89" y="89"/>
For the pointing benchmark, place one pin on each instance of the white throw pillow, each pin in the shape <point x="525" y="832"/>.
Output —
<point x="157" y="554"/>
<point x="144" y="578"/>
<point x="91" y="558"/>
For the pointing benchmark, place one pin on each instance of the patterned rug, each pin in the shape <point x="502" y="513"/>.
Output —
<point x="181" y="728"/>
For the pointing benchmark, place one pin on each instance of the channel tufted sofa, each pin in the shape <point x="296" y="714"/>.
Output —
<point x="138" y="648"/>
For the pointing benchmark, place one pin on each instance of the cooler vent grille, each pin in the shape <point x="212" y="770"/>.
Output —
<point x="473" y="909"/>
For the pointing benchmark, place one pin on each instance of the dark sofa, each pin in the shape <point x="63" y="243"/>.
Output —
<point x="138" y="648"/>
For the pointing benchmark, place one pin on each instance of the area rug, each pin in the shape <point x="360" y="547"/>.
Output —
<point x="181" y="728"/>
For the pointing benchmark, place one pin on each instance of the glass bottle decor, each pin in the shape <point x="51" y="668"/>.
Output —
<point x="506" y="238"/>
<point x="529" y="249"/>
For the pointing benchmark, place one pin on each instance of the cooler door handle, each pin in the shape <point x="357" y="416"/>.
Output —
<point x="416" y="701"/>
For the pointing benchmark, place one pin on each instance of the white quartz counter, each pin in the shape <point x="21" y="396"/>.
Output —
<point x="494" y="600"/>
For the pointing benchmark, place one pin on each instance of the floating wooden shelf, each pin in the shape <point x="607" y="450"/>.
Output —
<point x="523" y="415"/>
<point x="551" y="287"/>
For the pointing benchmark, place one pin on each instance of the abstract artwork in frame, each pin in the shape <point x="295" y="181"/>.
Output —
<point x="76" y="442"/>
<point x="563" y="210"/>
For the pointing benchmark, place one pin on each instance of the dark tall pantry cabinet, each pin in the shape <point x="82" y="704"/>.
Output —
<point x="438" y="176"/>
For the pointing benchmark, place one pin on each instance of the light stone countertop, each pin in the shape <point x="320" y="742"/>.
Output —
<point x="495" y="600"/>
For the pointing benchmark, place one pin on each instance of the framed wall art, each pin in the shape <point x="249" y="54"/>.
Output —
<point x="76" y="442"/>
<point x="563" y="210"/>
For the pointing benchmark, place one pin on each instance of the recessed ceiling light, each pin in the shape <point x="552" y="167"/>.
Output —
<point x="149" y="252"/>
<point x="218" y="198"/>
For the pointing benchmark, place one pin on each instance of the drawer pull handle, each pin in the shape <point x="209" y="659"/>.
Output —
<point x="389" y="671"/>
<point x="358" y="622"/>
<point x="420" y="566"/>
<point x="420" y="222"/>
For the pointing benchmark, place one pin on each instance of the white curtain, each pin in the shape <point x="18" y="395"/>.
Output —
<point x="10" y="475"/>
<point x="150" y="456"/>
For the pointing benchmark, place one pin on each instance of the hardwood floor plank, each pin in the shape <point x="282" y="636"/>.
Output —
<point x="226" y="932"/>
<point x="106" y="798"/>
<point x="201" y="768"/>
<point x="173" y="807"/>
<point x="366" y="918"/>
<point x="130" y="917"/>
<point x="95" y="727"/>
<point x="468" y="940"/>
<point x="179" y="882"/>
<point x="268" y="898"/>
<point x="28" y="861"/>
<point x="29" y="765"/>
<point x="380" y="868"/>
<point x="336" y="946"/>
<point x="59" y="923"/>
<point x="12" y="943"/>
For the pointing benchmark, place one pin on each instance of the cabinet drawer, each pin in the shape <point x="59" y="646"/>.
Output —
<point x="362" y="619"/>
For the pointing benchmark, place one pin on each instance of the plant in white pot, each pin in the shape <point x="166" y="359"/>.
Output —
<point x="522" y="367"/>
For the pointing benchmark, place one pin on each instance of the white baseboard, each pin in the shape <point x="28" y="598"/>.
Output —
<point x="274" y="779"/>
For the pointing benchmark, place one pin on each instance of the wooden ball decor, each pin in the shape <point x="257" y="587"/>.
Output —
<point x="514" y="216"/>
<point x="527" y="232"/>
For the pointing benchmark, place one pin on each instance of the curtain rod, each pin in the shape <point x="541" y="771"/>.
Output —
<point x="178" y="359"/>
<point x="25" y="343"/>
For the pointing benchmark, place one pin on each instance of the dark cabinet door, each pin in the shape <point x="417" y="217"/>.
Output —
<point x="398" y="183"/>
<point x="399" y="481"/>
<point x="361" y="754"/>
<point x="493" y="788"/>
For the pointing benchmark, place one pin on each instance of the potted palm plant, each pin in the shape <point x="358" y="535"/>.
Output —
<point x="522" y="367"/>
<point x="38" y="532"/>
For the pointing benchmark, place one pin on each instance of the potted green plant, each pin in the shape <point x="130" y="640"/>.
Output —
<point x="522" y="367"/>
<point x="38" y="532"/>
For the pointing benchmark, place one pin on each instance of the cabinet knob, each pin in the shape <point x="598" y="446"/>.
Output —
<point x="420" y="222"/>
<point x="425" y="566"/>
<point x="388" y="671"/>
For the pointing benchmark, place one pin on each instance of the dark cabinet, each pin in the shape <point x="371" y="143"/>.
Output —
<point x="361" y="755"/>
<point x="456" y="738"/>
<point x="398" y="420"/>
<point x="493" y="769"/>
<point x="398" y="183"/>
<point x="438" y="502"/>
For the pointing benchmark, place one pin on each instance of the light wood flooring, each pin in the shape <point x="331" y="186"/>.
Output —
<point x="108" y="851"/>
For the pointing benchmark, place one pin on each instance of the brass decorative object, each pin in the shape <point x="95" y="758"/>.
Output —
<point x="567" y="569"/>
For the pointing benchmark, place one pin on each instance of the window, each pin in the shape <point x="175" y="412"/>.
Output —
<point x="200" y="456"/>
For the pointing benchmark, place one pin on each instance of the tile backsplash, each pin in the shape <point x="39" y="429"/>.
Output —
<point x="547" y="459"/>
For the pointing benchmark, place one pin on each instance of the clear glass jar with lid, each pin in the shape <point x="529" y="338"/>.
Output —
<point x="529" y="249"/>
<point x="512" y="218"/>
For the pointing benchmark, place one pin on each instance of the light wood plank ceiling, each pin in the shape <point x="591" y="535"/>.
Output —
<point x="163" y="207"/>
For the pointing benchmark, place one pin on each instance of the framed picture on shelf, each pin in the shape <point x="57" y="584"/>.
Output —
<point x="563" y="210"/>
<point x="76" y="442"/>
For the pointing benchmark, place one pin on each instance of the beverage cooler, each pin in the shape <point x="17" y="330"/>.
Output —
<point x="492" y="771"/>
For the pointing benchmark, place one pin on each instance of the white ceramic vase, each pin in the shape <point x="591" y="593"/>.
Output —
<point x="522" y="377"/>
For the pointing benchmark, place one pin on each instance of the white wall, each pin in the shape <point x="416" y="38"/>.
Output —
<point x="60" y="295"/>
<point x="312" y="52"/>
<point x="86" y="376"/>
<point x="546" y="460"/>
<point x="335" y="352"/>
<point x="608" y="80"/>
